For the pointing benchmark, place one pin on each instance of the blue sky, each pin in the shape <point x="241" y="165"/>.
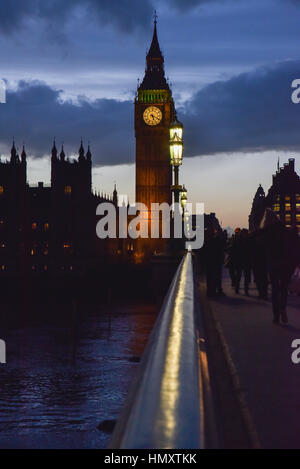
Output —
<point x="72" y="67"/>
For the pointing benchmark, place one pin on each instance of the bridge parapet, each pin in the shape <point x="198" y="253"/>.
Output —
<point x="165" y="405"/>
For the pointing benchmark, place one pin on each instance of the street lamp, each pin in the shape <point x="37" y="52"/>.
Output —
<point x="185" y="213"/>
<point x="176" y="149"/>
<point x="183" y="198"/>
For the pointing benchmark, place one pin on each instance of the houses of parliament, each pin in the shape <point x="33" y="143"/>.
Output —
<point x="48" y="229"/>
<point x="51" y="230"/>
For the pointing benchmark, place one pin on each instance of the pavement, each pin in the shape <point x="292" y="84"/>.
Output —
<point x="261" y="353"/>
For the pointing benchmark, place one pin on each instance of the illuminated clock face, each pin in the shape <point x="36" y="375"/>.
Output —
<point x="152" y="115"/>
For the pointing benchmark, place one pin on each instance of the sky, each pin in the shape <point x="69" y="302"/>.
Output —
<point x="71" y="71"/>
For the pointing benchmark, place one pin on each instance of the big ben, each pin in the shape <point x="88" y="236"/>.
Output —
<point x="154" y="112"/>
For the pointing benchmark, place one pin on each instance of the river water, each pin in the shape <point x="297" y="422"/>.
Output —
<point x="57" y="386"/>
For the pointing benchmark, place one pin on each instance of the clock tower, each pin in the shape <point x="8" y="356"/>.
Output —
<point x="154" y="111"/>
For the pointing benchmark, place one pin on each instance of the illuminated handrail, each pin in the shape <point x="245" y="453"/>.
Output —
<point x="164" y="407"/>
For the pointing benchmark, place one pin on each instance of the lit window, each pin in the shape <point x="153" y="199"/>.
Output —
<point x="276" y="207"/>
<point x="32" y="252"/>
<point x="46" y="226"/>
<point x="71" y="267"/>
<point x="298" y="217"/>
<point x="1" y="222"/>
<point x="45" y="268"/>
<point x="68" y="189"/>
<point x="288" y="226"/>
<point x="298" y="207"/>
<point x="46" y="252"/>
<point x="34" y="226"/>
<point x="1" y="190"/>
<point x="277" y="198"/>
<point x="3" y="245"/>
<point x="288" y="207"/>
<point x="3" y="267"/>
<point x="287" y="197"/>
<point x="297" y="197"/>
<point x="67" y="246"/>
<point x="288" y="217"/>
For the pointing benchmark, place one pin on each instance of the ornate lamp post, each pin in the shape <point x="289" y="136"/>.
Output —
<point x="185" y="214"/>
<point x="176" y="149"/>
<point x="183" y="198"/>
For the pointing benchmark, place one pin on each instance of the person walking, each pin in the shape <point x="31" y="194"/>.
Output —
<point x="231" y="255"/>
<point x="220" y="245"/>
<point x="240" y="259"/>
<point x="245" y="263"/>
<point x="259" y="264"/>
<point x="213" y="258"/>
<point x="283" y="255"/>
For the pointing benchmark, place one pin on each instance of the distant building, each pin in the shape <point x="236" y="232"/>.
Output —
<point x="283" y="197"/>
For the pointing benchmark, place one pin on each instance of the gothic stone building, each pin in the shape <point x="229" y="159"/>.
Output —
<point x="48" y="230"/>
<point x="283" y="197"/>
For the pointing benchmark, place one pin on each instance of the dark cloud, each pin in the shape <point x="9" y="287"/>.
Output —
<point x="188" y="4"/>
<point x="34" y="113"/>
<point x="252" y="111"/>
<point x="126" y="15"/>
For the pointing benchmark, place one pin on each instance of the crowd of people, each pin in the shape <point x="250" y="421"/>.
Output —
<point x="267" y="256"/>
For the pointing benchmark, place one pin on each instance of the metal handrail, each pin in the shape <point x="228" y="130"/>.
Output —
<point x="164" y="407"/>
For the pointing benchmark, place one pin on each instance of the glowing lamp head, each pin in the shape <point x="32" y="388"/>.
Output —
<point x="176" y="143"/>
<point x="183" y="197"/>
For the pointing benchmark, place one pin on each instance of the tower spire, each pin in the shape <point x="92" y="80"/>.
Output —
<point x="62" y="153"/>
<point x="54" y="150"/>
<point x="154" y="78"/>
<point x="89" y="154"/>
<point x="13" y="153"/>
<point x="81" y="151"/>
<point x="23" y="154"/>
<point x="154" y="51"/>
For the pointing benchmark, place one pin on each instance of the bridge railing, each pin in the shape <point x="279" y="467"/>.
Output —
<point x="165" y="405"/>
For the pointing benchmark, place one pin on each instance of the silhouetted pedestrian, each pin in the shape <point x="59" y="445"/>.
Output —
<point x="229" y="263"/>
<point x="244" y="264"/>
<point x="240" y="259"/>
<point x="220" y="245"/>
<point x="283" y="255"/>
<point x="259" y="264"/>
<point x="213" y="258"/>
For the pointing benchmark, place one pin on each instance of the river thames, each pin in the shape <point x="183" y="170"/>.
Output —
<point x="59" y="385"/>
